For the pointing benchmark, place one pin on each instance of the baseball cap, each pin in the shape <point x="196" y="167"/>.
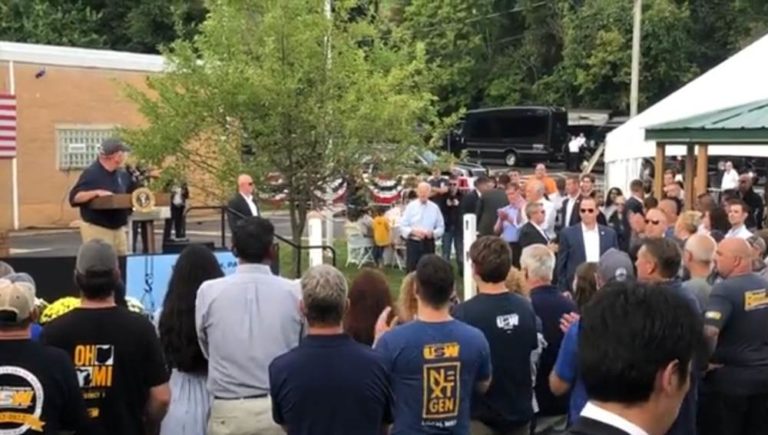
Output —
<point x="112" y="145"/>
<point x="615" y="265"/>
<point x="95" y="256"/>
<point x="17" y="302"/>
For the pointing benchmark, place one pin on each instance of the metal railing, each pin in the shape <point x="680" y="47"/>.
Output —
<point x="224" y="210"/>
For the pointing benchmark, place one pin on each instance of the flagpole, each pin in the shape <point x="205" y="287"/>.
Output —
<point x="14" y="161"/>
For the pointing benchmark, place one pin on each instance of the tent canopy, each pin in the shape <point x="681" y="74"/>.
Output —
<point x="741" y="125"/>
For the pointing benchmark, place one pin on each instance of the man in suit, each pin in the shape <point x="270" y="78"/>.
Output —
<point x="652" y="351"/>
<point x="532" y="233"/>
<point x="583" y="243"/>
<point x="569" y="211"/>
<point x="242" y="204"/>
<point x="534" y="192"/>
<point x="491" y="200"/>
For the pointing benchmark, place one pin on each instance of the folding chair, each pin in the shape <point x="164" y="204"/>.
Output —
<point x="359" y="250"/>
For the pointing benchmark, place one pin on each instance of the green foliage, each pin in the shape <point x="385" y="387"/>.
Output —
<point x="307" y="112"/>
<point x="46" y="22"/>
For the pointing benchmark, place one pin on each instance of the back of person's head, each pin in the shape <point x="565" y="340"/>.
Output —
<point x="689" y="221"/>
<point x="504" y="180"/>
<point x="614" y="265"/>
<point x="97" y="274"/>
<point x="718" y="220"/>
<point x="648" y="358"/>
<point x="538" y="263"/>
<point x="407" y="304"/>
<point x="17" y="305"/>
<point x="670" y="206"/>
<point x="176" y="326"/>
<point x="369" y="295"/>
<point x="700" y="248"/>
<point x="253" y="239"/>
<point x="650" y="203"/>
<point x="491" y="259"/>
<point x="324" y="296"/>
<point x="5" y="269"/>
<point x="434" y="276"/>
<point x="482" y="181"/>
<point x="515" y="282"/>
<point x="666" y="256"/>
<point x="585" y="284"/>
<point x="636" y="187"/>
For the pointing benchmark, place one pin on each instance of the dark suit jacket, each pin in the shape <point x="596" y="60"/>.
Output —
<point x="487" y="210"/>
<point x="575" y="216"/>
<point x="571" y="252"/>
<point x="587" y="426"/>
<point x="238" y="209"/>
<point x="469" y="203"/>
<point x="529" y="235"/>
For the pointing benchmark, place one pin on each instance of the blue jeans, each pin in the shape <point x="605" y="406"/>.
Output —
<point x="452" y="237"/>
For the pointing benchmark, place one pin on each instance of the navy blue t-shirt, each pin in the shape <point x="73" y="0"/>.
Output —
<point x="96" y="177"/>
<point x="435" y="369"/>
<point x="509" y="324"/>
<point x="550" y="304"/>
<point x="330" y="385"/>
<point x="738" y="308"/>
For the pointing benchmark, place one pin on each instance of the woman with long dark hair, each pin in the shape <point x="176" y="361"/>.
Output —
<point x="368" y="296"/>
<point x="190" y="401"/>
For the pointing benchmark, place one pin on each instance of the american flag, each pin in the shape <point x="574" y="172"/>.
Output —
<point x="7" y="126"/>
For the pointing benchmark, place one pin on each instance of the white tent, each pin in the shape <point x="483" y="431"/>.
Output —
<point x="741" y="79"/>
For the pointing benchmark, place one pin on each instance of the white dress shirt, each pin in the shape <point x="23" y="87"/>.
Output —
<point x="569" y="210"/>
<point x="426" y="216"/>
<point x="549" y="218"/>
<point x="591" y="243"/>
<point x="730" y="180"/>
<point x="596" y="413"/>
<point x="541" y="231"/>
<point x="741" y="232"/>
<point x="251" y="204"/>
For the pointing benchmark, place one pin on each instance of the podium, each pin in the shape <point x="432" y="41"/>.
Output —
<point x="147" y="218"/>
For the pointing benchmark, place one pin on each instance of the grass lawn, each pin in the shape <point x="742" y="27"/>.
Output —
<point x="394" y="275"/>
<point x="287" y="268"/>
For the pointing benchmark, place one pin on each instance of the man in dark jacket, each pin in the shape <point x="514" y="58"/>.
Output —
<point x="753" y="200"/>
<point x="491" y="200"/>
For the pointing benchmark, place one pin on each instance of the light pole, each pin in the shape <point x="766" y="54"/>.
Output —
<point x="635" y="81"/>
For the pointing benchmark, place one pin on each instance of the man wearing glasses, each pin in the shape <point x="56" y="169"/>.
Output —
<point x="583" y="243"/>
<point x="242" y="205"/>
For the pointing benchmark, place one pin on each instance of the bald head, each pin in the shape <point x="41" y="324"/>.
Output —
<point x="701" y="248"/>
<point x="245" y="184"/>
<point x="734" y="257"/>
<point x="423" y="190"/>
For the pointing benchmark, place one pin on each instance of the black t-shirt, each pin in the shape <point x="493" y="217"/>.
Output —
<point x="438" y="198"/>
<point x="38" y="390"/>
<point x="96" y="177"/>
<point x="117" y="357"/>
<point x="509" y="324"/>
<point x="451" y="209"/>
<point x="738" y="307"/>
<point x="330" y="385"/>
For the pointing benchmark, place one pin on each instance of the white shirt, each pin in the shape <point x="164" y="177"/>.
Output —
<point x="596" y="413"/>
<point x="591" y="243"/>
<point x="730" y="180"/>
<point x="569" y="211"/>
<point x="574" y="145"/>
<point x="251" y="204"/>
<point x="538" y="228"/>
<point x="549" y="218"/>
<point x="741" y="232"/>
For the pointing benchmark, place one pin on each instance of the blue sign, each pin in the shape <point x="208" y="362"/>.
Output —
<point x="147" y="276"/>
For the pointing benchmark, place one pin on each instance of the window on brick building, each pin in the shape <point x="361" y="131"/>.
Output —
<point x="78" y="146"/>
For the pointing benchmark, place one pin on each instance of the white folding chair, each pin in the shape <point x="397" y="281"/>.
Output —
<point x="359" y="250"/>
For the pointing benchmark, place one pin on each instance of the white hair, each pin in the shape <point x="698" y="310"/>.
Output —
<point x="324" y="286"/>
<point x="538" y="261"/>
<point x="702" y="247"/>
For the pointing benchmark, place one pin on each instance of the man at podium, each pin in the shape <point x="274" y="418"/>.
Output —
<point x="104" y="177"/>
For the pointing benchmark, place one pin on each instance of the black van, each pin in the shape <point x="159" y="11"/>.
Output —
<point x="511" y="135"/>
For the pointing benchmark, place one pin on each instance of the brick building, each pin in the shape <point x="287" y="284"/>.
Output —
<point x="68" y="100"/>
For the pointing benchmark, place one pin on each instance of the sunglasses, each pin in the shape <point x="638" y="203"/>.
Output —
<point x="654" y="222"/>
<point x="587" y="210"/>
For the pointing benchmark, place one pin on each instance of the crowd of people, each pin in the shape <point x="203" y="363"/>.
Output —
<point x="622" y="315"/>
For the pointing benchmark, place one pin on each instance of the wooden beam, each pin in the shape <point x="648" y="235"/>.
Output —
<point x="658" y="181"/>
<point x="702" y="172"/>
<point x="690" y="193"/>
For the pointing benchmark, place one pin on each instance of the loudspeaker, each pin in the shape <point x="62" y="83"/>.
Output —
<point x="176" y="246"/>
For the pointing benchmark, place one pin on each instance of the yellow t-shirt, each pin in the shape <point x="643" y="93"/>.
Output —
<point x="381" y="231"/>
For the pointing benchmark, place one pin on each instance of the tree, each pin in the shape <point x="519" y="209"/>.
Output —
<point x="41" y="22"/>
<point x="308" y="96"/>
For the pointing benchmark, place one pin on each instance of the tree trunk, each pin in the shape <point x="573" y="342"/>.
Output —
<point x="298" y="214"/>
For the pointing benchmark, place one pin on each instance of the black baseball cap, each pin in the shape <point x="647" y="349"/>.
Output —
<point x="113" y="145"/>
